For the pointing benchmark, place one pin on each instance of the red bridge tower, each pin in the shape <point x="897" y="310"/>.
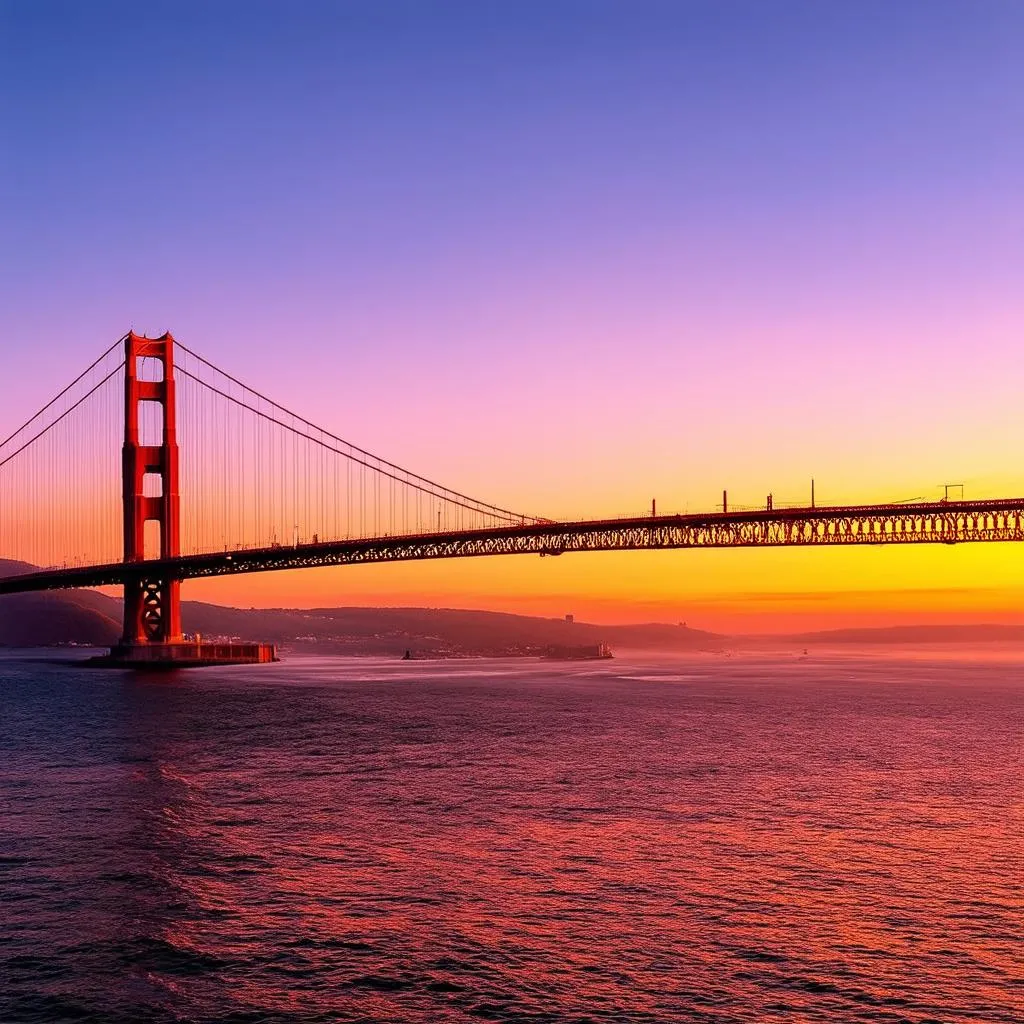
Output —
<point x="152" y="603"/>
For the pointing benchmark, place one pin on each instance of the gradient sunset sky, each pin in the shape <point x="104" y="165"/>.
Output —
<point x="565" y="256"/>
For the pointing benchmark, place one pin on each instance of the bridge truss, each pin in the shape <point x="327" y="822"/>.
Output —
<point x="943" y="522"/>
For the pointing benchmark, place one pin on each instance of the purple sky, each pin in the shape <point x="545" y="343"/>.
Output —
<point x="566" y="256"/>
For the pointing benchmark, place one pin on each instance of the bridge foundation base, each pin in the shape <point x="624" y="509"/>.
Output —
<point x="185" y="655"/>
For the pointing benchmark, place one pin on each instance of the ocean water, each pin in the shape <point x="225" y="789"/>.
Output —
<point x="709" y="839"/>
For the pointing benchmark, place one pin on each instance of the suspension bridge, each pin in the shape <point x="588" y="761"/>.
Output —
<point x="154" y="467"/>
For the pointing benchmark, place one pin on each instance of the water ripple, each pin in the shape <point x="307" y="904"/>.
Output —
<point x="656" y="841"/>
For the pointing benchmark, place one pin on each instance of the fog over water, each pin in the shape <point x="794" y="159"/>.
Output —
<point x="744" y="838"/>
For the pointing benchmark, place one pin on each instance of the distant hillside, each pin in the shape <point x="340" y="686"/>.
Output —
<point x="983" y="633"/>
<point x="88" y="617"/>
<point x="56" y="617"/>
<point x="428" y="630"/>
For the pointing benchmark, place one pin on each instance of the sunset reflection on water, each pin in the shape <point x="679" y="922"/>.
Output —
<point x="642" y="840"/>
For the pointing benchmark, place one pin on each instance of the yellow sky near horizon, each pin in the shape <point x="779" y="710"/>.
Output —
<point x="731" y="590"/>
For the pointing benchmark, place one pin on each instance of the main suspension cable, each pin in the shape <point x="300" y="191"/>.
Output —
<point x="57" y="398"/>
<point x="63" y="415"/>
<point x="431" y="485"/>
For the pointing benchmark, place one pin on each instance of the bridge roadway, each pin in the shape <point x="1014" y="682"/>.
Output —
<point x="942" y="522"/>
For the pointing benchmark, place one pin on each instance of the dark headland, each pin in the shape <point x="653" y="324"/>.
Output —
<point x="89" y="618"/>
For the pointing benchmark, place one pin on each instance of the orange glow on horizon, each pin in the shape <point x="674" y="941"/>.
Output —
<point x="730" y="591"/>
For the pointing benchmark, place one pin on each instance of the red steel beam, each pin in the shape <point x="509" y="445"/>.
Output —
<point x="943" y="522"/>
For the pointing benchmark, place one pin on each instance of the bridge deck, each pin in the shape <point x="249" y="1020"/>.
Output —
<point x="943" y="522"/>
